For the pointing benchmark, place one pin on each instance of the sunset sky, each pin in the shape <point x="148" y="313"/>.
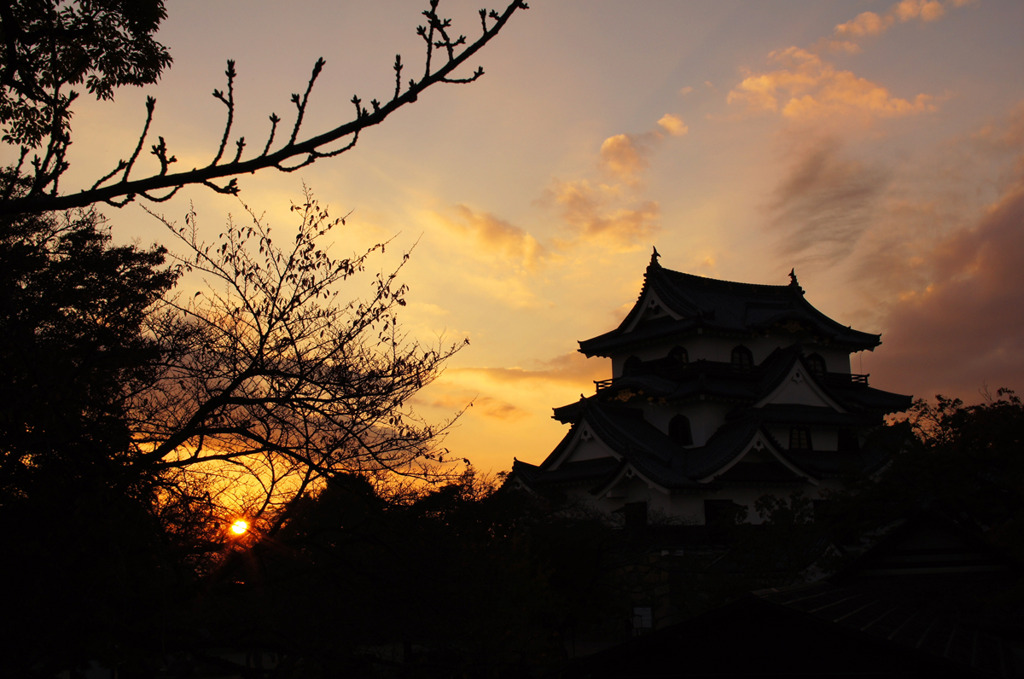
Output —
<point x="878" y="148"/>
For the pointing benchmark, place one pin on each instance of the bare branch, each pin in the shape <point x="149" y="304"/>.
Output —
<point x="300" y="104"/>
<point x="229" y="102"/>
<point x="42" y="194"/>
<point x="264" y="369"/>
<point x="274" y="120"/>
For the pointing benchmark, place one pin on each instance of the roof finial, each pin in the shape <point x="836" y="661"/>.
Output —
<point x="654" y="257"/>
<point x="792" y="277"/>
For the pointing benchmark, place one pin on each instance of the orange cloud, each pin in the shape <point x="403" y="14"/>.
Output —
<point x="487" y="406"/>
<point x="573" y="368"/>
<point x="673" y="125"/>
<point x="590" y="212"/>
<point x="925" y="10"/>
<point x="806" y="88"/>
<point x="513" y="393"/>
<point x="871" y="24"/>
<point x="943" y="271"/>
<point x="624" y="156"/>
<point x="496" y="235"/>
<point x="866" y="23"/>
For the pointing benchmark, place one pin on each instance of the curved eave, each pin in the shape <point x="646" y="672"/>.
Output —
<point x="747" y="308"/>
<point x="573" y="475"/>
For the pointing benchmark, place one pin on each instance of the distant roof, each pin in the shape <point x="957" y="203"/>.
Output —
<point x="695" y="302"/>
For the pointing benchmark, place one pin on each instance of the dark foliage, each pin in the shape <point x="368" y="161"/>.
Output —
<point x="50" y="46"/>
<point x="460" y="582"/>
<point x="81" y="547"/>
<point x="963" y="461"/>
<point x="71" y="346"/>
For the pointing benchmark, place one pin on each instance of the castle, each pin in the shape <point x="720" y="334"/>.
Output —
<point x="721" y="393"/>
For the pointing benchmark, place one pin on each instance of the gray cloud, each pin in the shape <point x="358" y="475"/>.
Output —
<point x="965" y="330"/>
<point x="826" y="203"/>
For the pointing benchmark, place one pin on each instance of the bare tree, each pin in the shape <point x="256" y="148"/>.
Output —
<point x="32" y="185"/>
<point x="271" y="380"/>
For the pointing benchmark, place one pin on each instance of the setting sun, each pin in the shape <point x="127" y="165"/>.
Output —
<point x="240" y="527"/>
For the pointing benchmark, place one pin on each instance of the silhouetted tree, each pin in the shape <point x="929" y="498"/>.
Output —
<point x="462" y="581"/>
<point x="960" y="460"/>
<point x="50" y="46"/>
<point x="128" y="413"/>
<point x="71" y="347"/>
<point x="275" y="375"/>
<point x="134" y="419"/>
<point x="83" y="550"/>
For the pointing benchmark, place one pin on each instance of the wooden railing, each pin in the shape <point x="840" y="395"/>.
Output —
<point x="838" y="379"/>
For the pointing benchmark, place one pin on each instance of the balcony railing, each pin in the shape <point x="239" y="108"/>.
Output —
<point x="835" y="379"/>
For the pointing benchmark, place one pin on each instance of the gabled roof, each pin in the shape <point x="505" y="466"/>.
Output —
<point x="686" y="303"/>
<point x="637" y="445"/>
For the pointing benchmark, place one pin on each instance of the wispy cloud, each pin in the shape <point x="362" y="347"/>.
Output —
<point x="485" y="406"/>
<point x="826" y="202"/>
<point x="571" y="368"/>
<point x="625" y="156"/>
<point x="945" y="270"/>
<point x="613" y="212"/>
<point x="513" y="393"/>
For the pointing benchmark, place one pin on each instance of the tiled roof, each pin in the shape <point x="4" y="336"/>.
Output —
<point x="672" y="466"/>
<point x="721" y="306"/>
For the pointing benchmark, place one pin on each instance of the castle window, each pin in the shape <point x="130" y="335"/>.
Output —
<point x="799" y="438"/>
<point x="679" y="355"/>
<point x="742" y="359"/>
<point x="679" y="430"/>
<point x="816" y="364"/>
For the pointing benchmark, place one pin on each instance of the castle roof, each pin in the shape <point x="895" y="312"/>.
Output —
<point x="640" y="448"/>
<point x="676" y="304"/>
